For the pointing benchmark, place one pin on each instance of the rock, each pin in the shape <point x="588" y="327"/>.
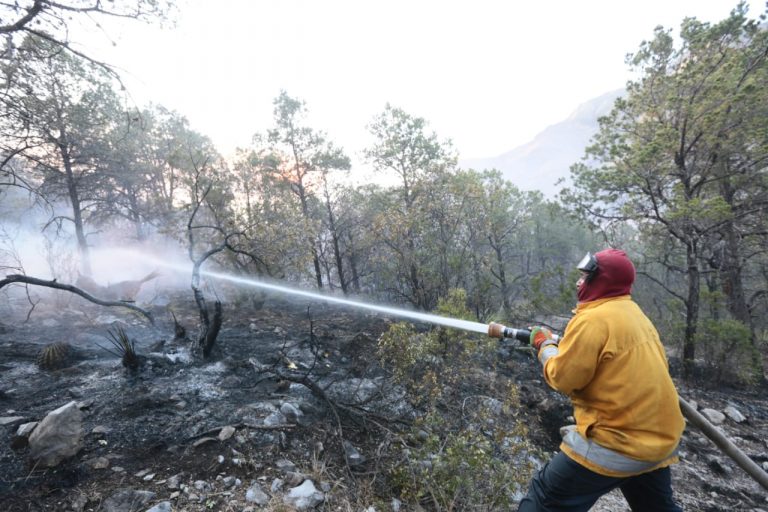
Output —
<point x="203" y="486"/>
<point x="20" y="439"/>
<point x="274" y="419"/>
<point x="254" y="494"/>
<point x="85" y="404"/>
<point x="59" y="436"/>
<point x="285" y="465"/>
<point x="98" y="463"/>
<point x="78" y="502"/>
<point x="304" y="497"/>
<point x="163" y="506"/>
<point x="494" y="405"/>
<point x="714" y="417"/>
<point x="26" y="429"/>
<point x="10" y="420"/>
<point x="353" y="455"/>
<point x="226" y="433"/>
<point x="291" y="412"/>
<point x="127" y="500"/>
<point x="173" y="482"/>
<point x="294" y="478"/>
<point x="355" y="390"/>
<point x="734" y="414"/>
<point x="277" y="485"/>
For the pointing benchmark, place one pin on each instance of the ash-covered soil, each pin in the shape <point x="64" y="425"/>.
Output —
<point x="229" y="433"/>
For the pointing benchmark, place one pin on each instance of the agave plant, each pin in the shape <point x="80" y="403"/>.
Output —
<point x="124" y="348"/>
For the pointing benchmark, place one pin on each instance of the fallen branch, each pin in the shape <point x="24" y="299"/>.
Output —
<point x="18" y="278"/>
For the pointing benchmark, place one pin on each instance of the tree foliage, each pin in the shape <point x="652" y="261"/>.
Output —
<point x="683" y="156"/>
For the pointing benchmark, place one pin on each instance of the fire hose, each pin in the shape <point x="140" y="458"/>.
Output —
<point x="725" y="445"/>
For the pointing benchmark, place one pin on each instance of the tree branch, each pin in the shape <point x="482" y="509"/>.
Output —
<point x="18" y="278"/>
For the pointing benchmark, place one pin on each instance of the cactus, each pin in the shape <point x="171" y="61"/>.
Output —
<point x="55" y="356"/>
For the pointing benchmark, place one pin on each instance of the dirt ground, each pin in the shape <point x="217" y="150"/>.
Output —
<point x="160" y="429"/>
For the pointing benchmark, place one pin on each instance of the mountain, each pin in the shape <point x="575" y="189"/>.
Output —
<point x="540" y="163"/>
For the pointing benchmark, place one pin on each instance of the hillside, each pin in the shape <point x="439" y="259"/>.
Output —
<point x="540" y="163"/>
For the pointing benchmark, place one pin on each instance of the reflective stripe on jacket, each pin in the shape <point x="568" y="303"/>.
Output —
<point x="611" y="363"/>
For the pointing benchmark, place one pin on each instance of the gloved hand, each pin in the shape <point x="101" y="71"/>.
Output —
<point x="541" y="336"/>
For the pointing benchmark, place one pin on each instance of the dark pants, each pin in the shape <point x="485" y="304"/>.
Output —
<point x="564" y="485"/>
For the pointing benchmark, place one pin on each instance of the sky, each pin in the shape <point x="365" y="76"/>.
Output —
<point x="488" y="75"/>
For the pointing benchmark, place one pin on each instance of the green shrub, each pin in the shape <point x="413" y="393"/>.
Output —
<point x="727" y="350"/>
<point x="468" y="449"/>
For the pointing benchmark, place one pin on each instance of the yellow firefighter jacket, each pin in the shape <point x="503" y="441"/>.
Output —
<point x="612" y="365"/>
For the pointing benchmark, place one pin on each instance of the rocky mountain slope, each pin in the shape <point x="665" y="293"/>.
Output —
<point x="540" y="163"/>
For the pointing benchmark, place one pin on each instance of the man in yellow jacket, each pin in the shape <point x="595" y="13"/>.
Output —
<point x="612" y="365"/>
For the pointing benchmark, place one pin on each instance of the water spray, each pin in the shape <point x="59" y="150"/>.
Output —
<point x="456" y="323"/>
<point x="494" y="330"/>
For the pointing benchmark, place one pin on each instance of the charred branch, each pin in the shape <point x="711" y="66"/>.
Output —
<point x="179" y="331"/>
<point x="208" y="339"/>
<point x="17" y="278"/>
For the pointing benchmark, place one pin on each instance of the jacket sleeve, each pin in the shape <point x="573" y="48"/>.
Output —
<point x="578" y="355"/>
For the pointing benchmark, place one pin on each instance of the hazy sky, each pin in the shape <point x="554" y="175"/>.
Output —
<point x="487" y="74"/>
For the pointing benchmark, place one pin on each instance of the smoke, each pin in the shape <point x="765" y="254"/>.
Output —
<point x="31" y="244"/>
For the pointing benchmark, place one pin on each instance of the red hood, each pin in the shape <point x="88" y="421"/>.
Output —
<point x="615" y="275"/>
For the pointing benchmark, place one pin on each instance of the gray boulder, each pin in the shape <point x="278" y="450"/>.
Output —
<point x="58" y="436"/>
<point x="128" y="500"/>
<point x="304" y="497"/>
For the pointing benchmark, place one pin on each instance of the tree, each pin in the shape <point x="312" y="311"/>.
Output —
<point x="684" y="154"/>
<point x="274" y="235"/>
<point x="307" y="159"/>
<point x="151" y="172"/>
<point x="417" y="159"/>
<point x="57" y="116"/>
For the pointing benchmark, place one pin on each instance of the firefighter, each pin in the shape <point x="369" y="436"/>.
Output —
<point x="611" y="364"/>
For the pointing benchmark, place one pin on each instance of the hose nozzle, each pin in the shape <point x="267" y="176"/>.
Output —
<point x="499" y="331"/>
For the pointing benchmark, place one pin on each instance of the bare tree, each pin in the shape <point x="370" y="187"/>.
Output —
<point x="50" y="21"/>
